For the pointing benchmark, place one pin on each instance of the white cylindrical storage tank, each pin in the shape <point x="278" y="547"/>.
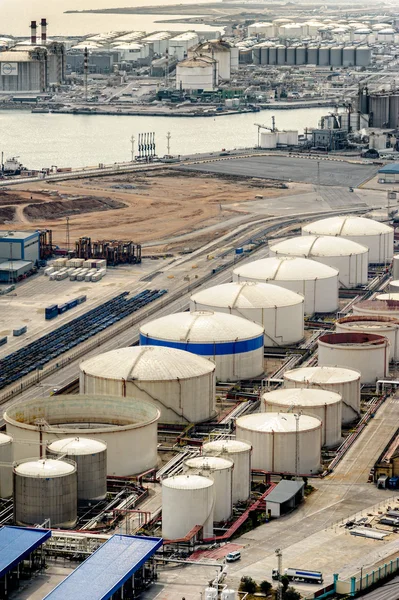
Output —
<point x="282" y="138"/>
<point x="90" y="457"/>
<point x="291" y="55"/>
<point x="180" y="384"/>
<point x="387" y="308"/>
<point x="377" y="237"/>
<point x="313" y="55"/>
<point x="386" y="326"/>
<point x="316" y="282"/>
<point x="292" y="137"/>
<point x="365" y="352"/>
<point x="349" y="56"/>
<point x="228" y="594"/>
<point x="345" y="382"/>
<point x="211" y="593"/>
<point x="187" y="501"/>
<point x="268" y="139"/>
<point x="395" y="266"/>
<point x="322" y="404"/>
<point x="281" y="55"/>
<point x="128" y="426"/>
<point x="273" y="440"/>
<point x="388" y="297"/>
<point x="220" y="470"/>
<point x="394" y="286"/>
<point x="240" y="453"/>
<point x="273" y="55"/>
<point x="234" y="344"/>
<point x="45" y="489"/>
<point x="278" y="310"/>
<point x="197" y="73"/>
<point x="349" y="258"/>
<point x="6" y="460"/>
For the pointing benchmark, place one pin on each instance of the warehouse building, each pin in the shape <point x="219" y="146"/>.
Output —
<point x="19" y="246"/>
<point x="23" y="70"/>
<point x="389" y="173"/>
<point x="14" y="270"/>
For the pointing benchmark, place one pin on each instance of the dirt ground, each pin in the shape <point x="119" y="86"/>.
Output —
<point x="139" y="207"/>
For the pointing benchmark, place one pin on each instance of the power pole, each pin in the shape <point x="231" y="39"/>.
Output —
<point x="132" y="140"/>
<point x="168" y="136"/>
<point x="86" y="69"/>
<point x="279" y="555"/>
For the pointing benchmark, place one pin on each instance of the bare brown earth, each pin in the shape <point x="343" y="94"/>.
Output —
<point x="155" y="206"/>
<point x="6" y="214"/>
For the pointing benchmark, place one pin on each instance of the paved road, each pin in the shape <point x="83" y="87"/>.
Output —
<point x="290" y="169"/>
<point x="389" y="591"/>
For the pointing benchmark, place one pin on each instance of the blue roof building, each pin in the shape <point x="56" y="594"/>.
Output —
<point x="389" y="173"/>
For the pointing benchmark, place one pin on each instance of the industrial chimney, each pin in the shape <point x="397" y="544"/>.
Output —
<point x="33" y="32"/>
<point x="43" y="25"/>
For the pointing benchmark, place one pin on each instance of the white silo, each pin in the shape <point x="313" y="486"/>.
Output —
<point x="395" y="266"/>
<point x="385" y="326"/>
<point x="220" y="470"/>
<point x="187" y="501"/>
<point x="316" y="282"/>
<point x="388" y="308"/>
<point x="6" y="459"/>
<point x="240" y="453"/>
<point x="234" y="344"/>
<point x="377" y="237"/>
<point x="268" y="139"/>
<point x="197" y="73"/>
<point x="394" y="286"/>
<point x="273" y="438"/>
<point x="364" y="352"/>
<point x="349" y="258"/>
<point x="90" y="456"/>
<point x="278" y="310"/>
<point x="45" y="489"/>
<point x="388" y="297"/>
<point x="180" y="384"/>
<point x="345" y="382"/>
<point x="322" y="404"/>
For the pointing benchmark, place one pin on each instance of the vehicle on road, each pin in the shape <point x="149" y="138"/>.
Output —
<point x="300" y="575"/>
<point x="233" y="556"/>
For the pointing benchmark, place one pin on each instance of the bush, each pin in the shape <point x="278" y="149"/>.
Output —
<point x="265" y="587"/>
<point x="248" y="585"/>
<point x="291" y="594"/>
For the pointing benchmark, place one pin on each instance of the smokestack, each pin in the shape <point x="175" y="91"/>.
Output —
<point x="43" y="25"/>
<point x="33" y="32"/>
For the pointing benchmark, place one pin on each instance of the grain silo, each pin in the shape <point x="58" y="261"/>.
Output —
<point x="273" y="437"/>
<point x="127" y="425"/>
<point x="220" y="470"/>
<point x="385" y="326"/>
<point x="180" y="384"/>
<point x="313" y="55"/>
<point x="316" y="282"/>
<point x="234" y="344"/>
<point x="345" y="382"/>
<point x="277" y="309"/>
<point x="377" y="237"/>
<point x="322" y="404"/>
<point x="336" y="56"/>
<point x="6" y="460"/>
<point x="387" y="308"/>
<point x="268" y="139"/>
<point x="45" y="489"/>
<point x="349" y="258"/>
<point x="364" y="352"/>
<point x="291" y="55"/>
<point x="281" y="55"/>
<point x="240" y="453"/>
<point x="349" y="56"/>
<point x="90" y="457"/>
<point x="187" y="501"/>
<point x="300" y="58"/>
<point x="324" y="56"/>
<point x="363" y="56"/>
<point x="273" y="55"/>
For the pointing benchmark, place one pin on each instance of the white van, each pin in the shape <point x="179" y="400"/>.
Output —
<point x="233" y="556"/>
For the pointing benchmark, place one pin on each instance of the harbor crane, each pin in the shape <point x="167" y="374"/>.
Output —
<point x="260" y="126"/>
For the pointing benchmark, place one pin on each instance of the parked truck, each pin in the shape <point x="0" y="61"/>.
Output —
<point x="300" y="575"/>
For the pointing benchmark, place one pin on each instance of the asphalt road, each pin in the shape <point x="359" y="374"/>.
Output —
<point x="291" y="169"/>
<point x="389" y="591"/>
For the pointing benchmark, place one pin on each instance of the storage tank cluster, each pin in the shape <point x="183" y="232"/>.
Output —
<point x="316" y="282"/>
<point x="381" y="325"/>
<point x="278" y="310"/>
<point x="377" y="237"/>
<point x="220" y="471"/>
<point x="348" y="257"/>
<point x="235" y="345"/>
<point x="272" y="139"/>
<point x="323" y="56"/>
<point x="240" y="453"/>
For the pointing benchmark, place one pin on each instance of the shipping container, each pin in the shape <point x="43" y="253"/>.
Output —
<point x="3" y="341"/>
<point x="62" y="308"/>
<point x="20" y="331"/>
<point x="72" y="304"/>
<point x="81" y="299"/>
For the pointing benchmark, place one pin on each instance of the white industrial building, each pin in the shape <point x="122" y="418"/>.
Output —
<point x="322" y="404"/>
<point x="218" y="50"/>
<point x="234" y="344"/>
<point x="317" y="283"/>
<point x="220" y="470"/>
<point x="132" y="51"/>
<point x="179" y="383"/>
<point x="273" y="437"/>
<point x="187" y="501"/>
<point x="158" y="41"/>
<point x="278" y="310"/>
<point x="345" y="382"/>
<point x="348" y="257"/>
<point x="367" y="353"/>
<point x="197" y="73"/>
<point x="240" y="453"/>
<point x="180" y="44"/>
<point x="381" y="325"/>
<point x="377" y="237"/>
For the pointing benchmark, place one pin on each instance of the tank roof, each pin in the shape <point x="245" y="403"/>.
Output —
<point x="322" y="375"/>
<point x="347" y="225"/>
<point x="227" y="446"/>
<point x="151" y="363"/>
<point x="213" y="463"/>
<point x="379" y="306"/>
<point x="390" y="296"/>
<point x="202" y="326"/>
<point x="269" y="422"/>
<point x="5" y="439"/>
<point x="318" y="245"/>
<point x="352" y="339"/>
<point x="247" y="294"/>
<point x="187" y="482"/>
<point x="77" y="446"/>
<point x="286" y="268"/>
<point x="47" y="467"/>
<point x="301" y="397"/>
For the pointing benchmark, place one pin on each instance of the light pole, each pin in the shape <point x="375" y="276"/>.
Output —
<point x="132" y="140"/>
